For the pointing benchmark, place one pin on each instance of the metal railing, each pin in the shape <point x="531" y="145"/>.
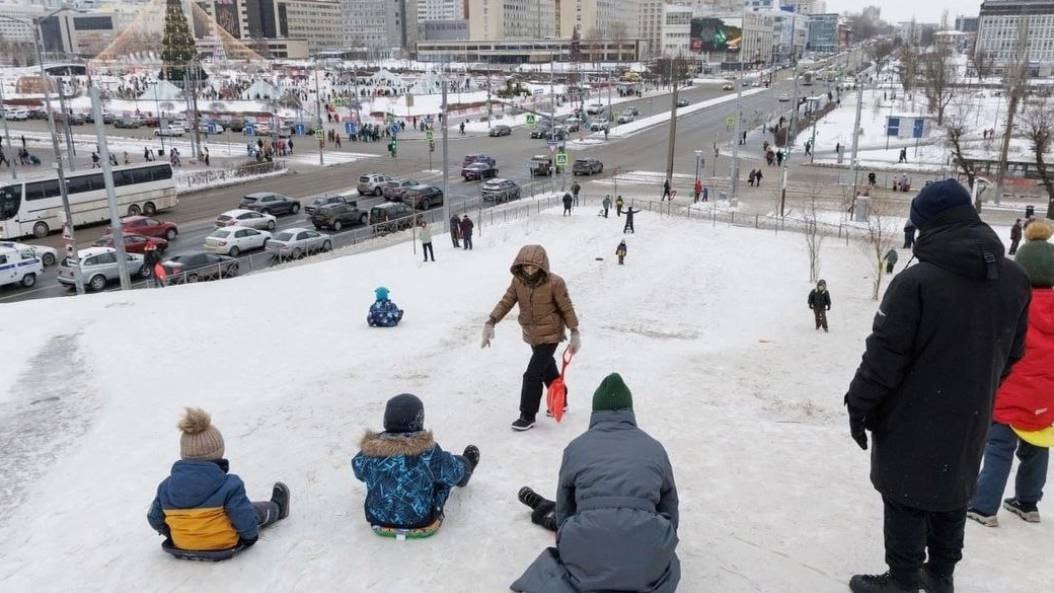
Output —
<point x="209" y="178"/>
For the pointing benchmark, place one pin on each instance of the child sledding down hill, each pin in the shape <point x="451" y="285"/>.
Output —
<point x="383" y="312"/>
<point x="408" y="476"/>
<point x="202" y="508"/>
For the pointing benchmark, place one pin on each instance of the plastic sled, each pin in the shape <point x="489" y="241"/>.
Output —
<point x="201" y="555"/>
<point x="1040" y="438"/>
<point x="405" y="534"/>
<point x="556" y="396"/>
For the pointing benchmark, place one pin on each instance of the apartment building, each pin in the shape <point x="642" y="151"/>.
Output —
<point x="498" y="20"/>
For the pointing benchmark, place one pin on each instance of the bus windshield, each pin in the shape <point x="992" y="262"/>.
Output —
<point x="10" y="201"/>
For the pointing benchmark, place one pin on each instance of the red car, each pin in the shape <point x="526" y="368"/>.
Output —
<point x="133" y="243"/>
<point x="150" y="227"/>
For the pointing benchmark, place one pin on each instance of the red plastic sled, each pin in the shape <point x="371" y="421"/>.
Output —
<point x="556" y="396"/>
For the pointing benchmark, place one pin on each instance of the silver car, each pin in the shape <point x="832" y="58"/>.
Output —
<point x="297" y="242"/>
<point x="99" y="267"/>
<point x="500" y="190"/>
<point x="372" y="184"/>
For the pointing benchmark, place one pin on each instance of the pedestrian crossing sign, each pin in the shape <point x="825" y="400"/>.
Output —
<point x="561" y="159"/>
<point x="428" y="135"/>
<point x="532" y="120"/>
<point x="320" y="134"/>
<point x="730" y="122"/>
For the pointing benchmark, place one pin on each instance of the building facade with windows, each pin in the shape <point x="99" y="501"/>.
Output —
<point x="505" y="20"/>
<point x="380" y="24"/>
<point x="597" y="19"/>
<point x="1000" y="28"/>
<point x="676" y="30"/>
<point x="756" y="46"/>
<point x="823" y="33"/>
<point x="649" y="27"/>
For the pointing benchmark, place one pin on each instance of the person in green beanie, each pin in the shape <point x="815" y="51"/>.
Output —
<point x="615" y="512"/>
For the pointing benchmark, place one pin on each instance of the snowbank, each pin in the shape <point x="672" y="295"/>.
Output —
<point x="708" y="325"/>
<point x="654" y="120"/>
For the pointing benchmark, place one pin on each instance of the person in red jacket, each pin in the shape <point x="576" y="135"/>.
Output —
<point x="1025" y="401"/>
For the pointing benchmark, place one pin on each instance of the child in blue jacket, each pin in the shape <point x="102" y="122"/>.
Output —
<point x="408" y="476"/>
<point x="383" y="312"/>
<point x="202" y="508"/>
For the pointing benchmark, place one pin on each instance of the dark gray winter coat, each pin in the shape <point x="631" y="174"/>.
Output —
<point x="617" y="512"/>
<point x="948" y="331"/>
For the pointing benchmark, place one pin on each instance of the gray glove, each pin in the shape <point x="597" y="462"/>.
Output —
<point x="576" y="342"/>
<point x="488" y="334"/>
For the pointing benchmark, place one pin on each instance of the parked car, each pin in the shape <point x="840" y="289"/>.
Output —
<point x="372" y="184"/>
<point x="632" y="110"/>
<point x="478" y="158"/>
<point x="682" y="102"/>
<point x="98" y="266"/>
<point x="133" y="243"/>
<point x="423" y="197"/>
<point x="728" y="86"/>
<point x="784" y="97"/>
<point x="338" y="216"/>
<point x="325" y="201"/>
<point x="19" y="265"/>
<point x="198" y="266"/>
<point x="169" y="131"/>
<point x="128" y="122"/>
<point x="598" y="125"/>
<point x="573" y="125"/>
<point x="297" y="242"/>
<point x="49" y="256"/>
<point x="479" y="171"/>
<point x="587" y="166"/>
<point x="149" y="227"/>
<point x="256" y="220"/>
<point x="15" y="114"/>
<point x="625" y="117"/>
<point x="500" y="190"/>
<point x="500" y="131"/>
<point x="540" y="132"/>
<point x="391" y="216"/>
<point x="203" y="127"/>
<point x="393" y="190"/>
<point x="233" y="240"/>
<point x="541" y="165"/>
<point x="270" y="203"/>
<point x="594" y="108"/>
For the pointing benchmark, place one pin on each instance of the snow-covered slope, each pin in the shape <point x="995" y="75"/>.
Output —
<point x="708" y="325"/>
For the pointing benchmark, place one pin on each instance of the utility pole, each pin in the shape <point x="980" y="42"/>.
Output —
<point x="70" y="151"/>
<point x="791" y="132"/>
<point x="735" y="139"/>
<point x="446" y="162"/>
<point x="318" y="115"/>
<point x="671" y="142"/>
<point x="7" y="133"/>
<point x="856" y="135"/>
<point x="111" y="197"/>
<point x="71" y="242"/>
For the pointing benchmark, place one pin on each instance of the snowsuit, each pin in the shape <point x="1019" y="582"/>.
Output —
<point x="567" y="204"/>
<point x="925" y="388"/>
<point x="629" y="221"/>
<point x="891" y="260"/>
<point x="1025" y="401"/>
<point x="408" y="478"/>
<point x="619" y="204"/>
<point x="820" y="303"/>
<point x="1015" y="237"/>
<point x="617" y="513"/>
<point x="202" y="507"/>
<point x="466" y="225"/>
<point x="620" y="251"/>
<point x="546" y="312"/>
<point x="455" y="230"/>
<point x="384" y="313"/>
<point x="607" y="205"/>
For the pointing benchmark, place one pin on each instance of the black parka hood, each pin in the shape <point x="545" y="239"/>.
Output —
<point x="957" y="241"/>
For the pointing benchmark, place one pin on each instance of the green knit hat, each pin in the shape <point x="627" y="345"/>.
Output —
<point x="612" y="394"/>
<point x="1036" y="256"/>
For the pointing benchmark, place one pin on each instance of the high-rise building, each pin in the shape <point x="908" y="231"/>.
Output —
<point x="1000" y="29"/>
<point x="823" y="33"/>
<point x="649" y="27"/>
<point x="316" y="22"/>
<point x="676" y="30"/>
<point x="380" y="24"/>
<point x="440" y="10"/>
<point x="497" y="20"/>
<point x="597" y="19"/>
<point x="756" y="46"/>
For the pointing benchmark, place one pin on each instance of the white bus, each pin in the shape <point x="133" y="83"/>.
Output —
<point x="34" y="206"/>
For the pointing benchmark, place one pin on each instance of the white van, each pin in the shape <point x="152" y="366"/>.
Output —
<point x="19" y="266"/>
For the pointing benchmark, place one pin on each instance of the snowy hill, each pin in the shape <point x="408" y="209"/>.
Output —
<point x="708" y="325"/>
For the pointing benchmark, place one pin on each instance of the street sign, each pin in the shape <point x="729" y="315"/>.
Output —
<point x="561" y="159"/>
<point x="349" y="127"/>
<point x="431" y="145"/>
<point x="211" y="127"/>
<point x="394" y="129"/>
<point x="428" y="134"/>
<point x="299" y="129"/>
<point x="67" y="232"/>
<point x="532" y="120"/>
<point x="320" y="134"/>
<point x="249" y="129"/>
<point x="730" y="122"/>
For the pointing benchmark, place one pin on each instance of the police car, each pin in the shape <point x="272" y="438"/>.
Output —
<point x="49" y="256"/>
<point x="19" y="266"/>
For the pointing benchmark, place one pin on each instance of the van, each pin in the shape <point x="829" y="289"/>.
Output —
<point x="19" y="266"/>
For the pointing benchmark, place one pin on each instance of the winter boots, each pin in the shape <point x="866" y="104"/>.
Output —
<point x="523" y="423"/>
<point x="983" y="519"/>
<point x="543" y="510"/>
<point x="472" y="454"/>
<point x="280" y="496"/>
<point x="1026" y="510"/>
<point x="882" y="583"/>
<point x="933" y="583"/>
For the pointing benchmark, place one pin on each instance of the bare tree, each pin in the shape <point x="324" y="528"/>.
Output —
<point x="1039" y="129"/>
<point x="1017" y="87"/>
<point x="909" y="66"/>
<point x="983" y="63"/>
<point x="880" y="52"/>
<point x="813" y="237"/>
<point x="881" y="237"/>
<point x="956" y="128"/>
<point x="939" y="73"/>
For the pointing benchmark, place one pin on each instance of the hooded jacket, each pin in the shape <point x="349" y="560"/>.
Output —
<point x="1026" y="399"/>
<point x="202" y="507"/>
<point x="617" y="510"/>
<point x="408" y="477"/>
<point x="947" y="332"/>
<point x="545" y="307"/>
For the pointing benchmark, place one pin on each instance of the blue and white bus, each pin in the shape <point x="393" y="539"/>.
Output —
<point x="34" y="206"/>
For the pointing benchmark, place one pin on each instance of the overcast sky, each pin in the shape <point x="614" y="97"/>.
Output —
<point x="925" y="11"/>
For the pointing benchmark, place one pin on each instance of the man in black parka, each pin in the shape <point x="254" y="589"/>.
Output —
<point x="946" y="334"/>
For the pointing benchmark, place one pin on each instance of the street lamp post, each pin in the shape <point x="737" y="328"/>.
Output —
<point x="7" y="133"/>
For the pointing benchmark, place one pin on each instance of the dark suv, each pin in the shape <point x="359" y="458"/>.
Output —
<point x="325" y="201"/>
<point x="423" y="197"/>
<point x="587" y="166"/>
<point x="391" y="216"/>
<point x="270" y="203"/>
<point x="338" y="216"/>
<point x="478" y="158"/>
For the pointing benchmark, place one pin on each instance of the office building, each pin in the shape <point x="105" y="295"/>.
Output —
<point x="501" y="20"/>
<point x="999" y="30"/>
<point x="597" y="18"/>
<point x="440" y="10"/>
<point x="676" y="30"/>
<point x="756" y="45"/>
<point x="823" y="33"/>
<point x="380" y="24"/>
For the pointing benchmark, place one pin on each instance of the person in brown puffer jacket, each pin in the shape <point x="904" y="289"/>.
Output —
<point x="545" y="312"/>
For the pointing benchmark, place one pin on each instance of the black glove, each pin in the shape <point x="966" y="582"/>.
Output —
<point x="856" y="426"/>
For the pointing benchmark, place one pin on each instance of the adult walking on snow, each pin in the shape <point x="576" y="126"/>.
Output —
<point x="909" y="235"/>
<point x="666" y="190"/>
<point x="820" y="303"/>
<point x="925" y="388"/>
<point x="616" y="508"/>
<point x="546" y="312"/>
<point x="1024" y="405"/>
<point x="426" y="240"/>
<point x="619" y="205"/>
<point x="891" y="260"/>
<point x="1015" y="237"/>
<point x="575" y="188"/>
<point x="466" y="226"/>
<point x="629" y="221"/>
<point x="455" y="230"/>
<point x="757" y="178"/>
<point x="606" y="204"/>
<point x="567" y="204"/>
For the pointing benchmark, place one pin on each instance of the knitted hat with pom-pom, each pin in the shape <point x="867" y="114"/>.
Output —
<point x="200" y="439"/>
<point x="1037" y="254"/>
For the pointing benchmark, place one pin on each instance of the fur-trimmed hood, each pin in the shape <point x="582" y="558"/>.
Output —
<point x="384" y="444"/>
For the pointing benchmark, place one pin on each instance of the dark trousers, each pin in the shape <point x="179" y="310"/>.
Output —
<point x="910" y="533"/>
<point x="541" y="371"/>
<point x="821" y="317"/>
<point x="266" y="513"/>
<point x="889" y="268"/>
<point x="909" y="240"/>
<point x="567" y="210"/>
<point x="426" y="248"/>
<point x="605" y="211"/>
<point x="629" y="228"/>
<point x="1013" y="246"/>
<point x="453" y="237"/>
<point x="619" y="211"/>
<point x="620" y="258"/>
<point x="545" y="514"/>
<point x="467" y="240"/>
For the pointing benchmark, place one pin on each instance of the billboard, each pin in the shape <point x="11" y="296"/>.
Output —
<point x="716" y="34"/>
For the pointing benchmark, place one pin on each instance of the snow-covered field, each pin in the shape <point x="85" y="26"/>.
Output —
<point x="708" y="324"/>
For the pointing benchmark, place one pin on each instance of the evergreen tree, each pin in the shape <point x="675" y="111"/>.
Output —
<point x="177" y="47"/>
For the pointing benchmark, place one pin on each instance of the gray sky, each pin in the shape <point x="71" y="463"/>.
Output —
<point x="925" y="11"/>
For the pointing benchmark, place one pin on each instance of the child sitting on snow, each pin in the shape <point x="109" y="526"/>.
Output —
<point x="200" y="507"/>
<point x="383" y="313"/>
<point x="620" y="251"/>
<point x="408" y="476"/>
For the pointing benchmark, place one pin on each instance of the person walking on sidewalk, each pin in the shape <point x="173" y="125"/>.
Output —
<point x="666" y="190"/>
<point x="619" y="205"/>
<point x="1015" y="237"/>
<point x="466" y="225"/>
<point x="891" y="259"/>
<point x="575" y="188"/>
<point x="927" y="442"/>
<point x="1024" y="405"/>
<point x="426" y="240"/>
<point x="455" y="230"/>
<point x="909" y="235"/>
<point x="697" y="190"/>
<point x="903" y="156"/>
<point x="606" y="204"/>
<point x="820" y="303"/>
<point x="568" y="200"/>
<point x="757" y="178"/>
<point x="546" y="312"/>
